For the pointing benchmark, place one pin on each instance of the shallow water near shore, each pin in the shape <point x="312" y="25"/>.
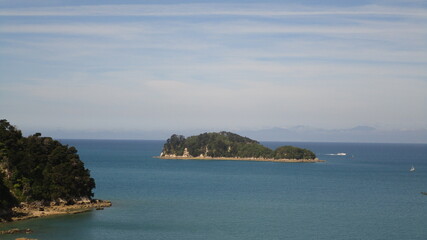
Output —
<point x="367" y="194"/>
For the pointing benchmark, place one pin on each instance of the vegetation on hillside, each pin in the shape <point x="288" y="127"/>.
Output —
<point x="227" y="144"/>
<point x="293" y="153"/>
<point x="37" y="168"/>
<point x="7" y="200"/>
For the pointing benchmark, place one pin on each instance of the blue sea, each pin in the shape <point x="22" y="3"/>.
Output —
<point x="367" y="194"/>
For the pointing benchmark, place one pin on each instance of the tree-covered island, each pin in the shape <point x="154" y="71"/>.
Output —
<point x="230" y="146"/>
<point x="39" y="176"/>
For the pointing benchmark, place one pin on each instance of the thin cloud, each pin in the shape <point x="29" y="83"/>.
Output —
<point x="257" y="10"/>
<point x="111" y="30"/>
<point x="214" y="65"/>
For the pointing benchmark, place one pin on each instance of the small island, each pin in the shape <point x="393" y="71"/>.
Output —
<point x="39" y="177"/>
<point x="231" y="146"/>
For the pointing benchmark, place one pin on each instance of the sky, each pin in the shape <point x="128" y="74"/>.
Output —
<point x="128" y="66"/>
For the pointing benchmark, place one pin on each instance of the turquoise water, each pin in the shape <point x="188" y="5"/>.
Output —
<point x="368" y="194"/>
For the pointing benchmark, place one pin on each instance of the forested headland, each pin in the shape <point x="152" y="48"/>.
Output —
<point x="229" y="145"/>
<point x="39" y="170"/>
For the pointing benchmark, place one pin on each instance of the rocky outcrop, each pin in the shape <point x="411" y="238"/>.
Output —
<point x="16" y="230"/>
<point x="37" y="209"/>
<point x="186" y="153"/>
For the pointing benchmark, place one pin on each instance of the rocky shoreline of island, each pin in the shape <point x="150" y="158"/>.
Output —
<point x="231" y="147"/>
<point x="315" y="160"/>
<point x="39" y="209"/>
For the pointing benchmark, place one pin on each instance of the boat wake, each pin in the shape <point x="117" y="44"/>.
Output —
<point x="337" y="154"/>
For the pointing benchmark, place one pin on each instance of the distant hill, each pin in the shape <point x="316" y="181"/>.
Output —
<point x="355" y="134"/>
<point x="292" y="134"/>
<point x="228" y="145"/>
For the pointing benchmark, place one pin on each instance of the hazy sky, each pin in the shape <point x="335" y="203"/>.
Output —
<point x="150" y="65"/>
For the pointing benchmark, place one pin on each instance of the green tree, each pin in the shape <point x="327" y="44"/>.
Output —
<point x="40" y="168"/>
<point x="291" y="152"/>
<point x="227" y="144"/>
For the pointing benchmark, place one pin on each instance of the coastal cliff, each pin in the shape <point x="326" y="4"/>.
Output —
<point x="230" y="146"/>
<point x="40" y="173"/>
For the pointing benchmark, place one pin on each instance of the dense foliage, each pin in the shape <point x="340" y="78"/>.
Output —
<point x="226" y="144"/>
<point x="291" y="152"/>
<point x="7" y="200"/>
<point x="175" y="144"/>
<point x="40" y="168"/>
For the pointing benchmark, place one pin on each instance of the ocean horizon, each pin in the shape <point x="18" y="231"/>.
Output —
<point x="362" y="191"/>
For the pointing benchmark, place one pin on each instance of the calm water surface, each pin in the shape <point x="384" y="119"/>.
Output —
<point x="368" y="194"/>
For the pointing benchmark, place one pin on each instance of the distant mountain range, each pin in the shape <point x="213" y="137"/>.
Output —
<point x="297" y="133"/>
<point x="356" y="134"/>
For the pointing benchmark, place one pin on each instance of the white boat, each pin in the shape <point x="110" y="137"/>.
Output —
<point x="341" y="154"/>
<point x="412" y="169"/>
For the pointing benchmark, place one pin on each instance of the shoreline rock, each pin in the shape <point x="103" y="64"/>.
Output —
<point x="38" y="209"/>
<point x="15" y="231"/>
<point x="240" y="159"/>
